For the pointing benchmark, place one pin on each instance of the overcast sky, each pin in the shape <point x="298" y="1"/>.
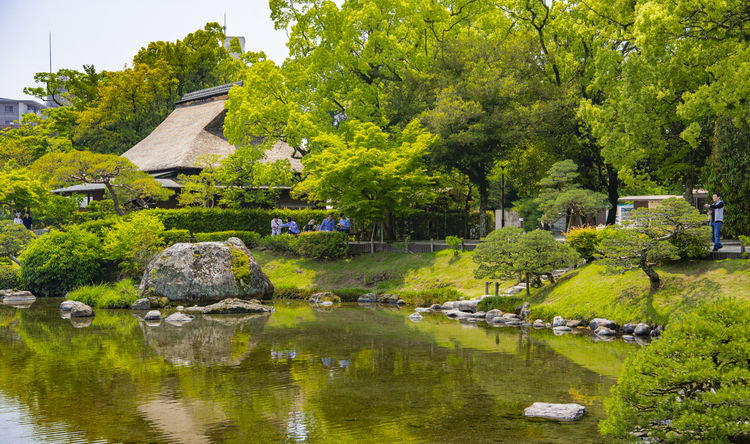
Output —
<point x="108" y="33"/>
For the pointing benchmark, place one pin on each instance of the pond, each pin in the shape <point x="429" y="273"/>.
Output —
<point x="301" y="374"/>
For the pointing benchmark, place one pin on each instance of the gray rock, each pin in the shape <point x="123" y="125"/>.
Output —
<point x="628" y="338"/>
<point x="317" y="298"/>
<point x="17" y="298"/>
<point x="558" y="322"/>
<point x="628" y="329"/>
<point x="559" y="412"/>
<point x="206" y="272"/>
<point x="141" y="304"/>
<point x="494" y="313"/>
<point x="153" y="315"/>
<point x="513" y="322"/>
<point x="66" y="306"/>
<point x="388" y="298"/>
<point x="367" y="298"/>
<point x="457" y="314"/>
<point x="573" y="323"/>
<point x="601" y="322"/>
<point x="510" y="316"/>
<point x="538" y="323"/>
<point x="194" y="309"/>
<point x="401" y="302"/>
<point x="81" y="310"/>
<point x="561" y="329"/>
<point x="450" y="305"/>
<point x="233" y="305"/>
<point x="178" y="318"/>
<point x="422" y="309"/>
<point x="415" y="317"/>
<point x="548" y="325"/>
<point x="655" y="333"/>
<point x="436" y="307"/>
<point x="642" y="330"/>
<point x="604" y="331"/>
<point x="525" y="311"/>
<point x="468" y="306"/>
<point x="326" y="304"/>
<point x="180" y="308"/>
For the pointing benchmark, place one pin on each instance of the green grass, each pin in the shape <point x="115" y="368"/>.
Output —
<point x="590" y="292"/>
<point x="420" y="277"/>
<point x="118" y="295"/>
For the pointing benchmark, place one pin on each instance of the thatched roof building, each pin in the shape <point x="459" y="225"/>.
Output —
<point x="194" y="129"/>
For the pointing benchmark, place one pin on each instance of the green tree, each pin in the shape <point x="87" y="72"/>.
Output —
<point x="123" y="181"/>
<point x="366" y="173"/>
<point x="13" y="239"/>
<point x="20" y="190"/>
<point x="689" y="386"/>
<point x="510" y="252"/>
<point x="562" y="196"/>
<point x="37" y="135"/>
<point x="133" y="242"/>
<point x="68" y="87"/>
<point x="653" y="235"/>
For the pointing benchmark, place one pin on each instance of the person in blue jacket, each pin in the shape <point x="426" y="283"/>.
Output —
<point x="344" y="224"/>
<point x="291" y="225"/>
<point x="716" y="210"/>
<point x="327" y="224"/>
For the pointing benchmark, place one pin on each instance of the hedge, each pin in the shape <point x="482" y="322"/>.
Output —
<point x="418" y="225"/>
<point x="251" y="239"/>
<point x="315" y="245"/>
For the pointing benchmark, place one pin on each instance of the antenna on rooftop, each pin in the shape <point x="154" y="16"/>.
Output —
<point x="225" y="23"/>
<point x="50" y="52"/>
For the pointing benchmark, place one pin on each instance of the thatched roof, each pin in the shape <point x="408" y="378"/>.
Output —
<point x="193" y="130"/>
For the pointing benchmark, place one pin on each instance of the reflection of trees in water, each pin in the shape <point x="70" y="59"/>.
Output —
<point x="206" y="340"/>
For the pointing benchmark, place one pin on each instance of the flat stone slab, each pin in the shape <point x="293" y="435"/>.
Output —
<point x="557" y="412"/>
<point x="234" y="306"/>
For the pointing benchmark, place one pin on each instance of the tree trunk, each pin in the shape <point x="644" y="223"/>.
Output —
<point x="551" y="277"/>
<point x="528" y="292"/>
<point x="483" y="198"/>
<point x="14" y="259"/>
<point x="651" y="273"/>
<point x="613" y="181"/>
<point x="115" y="201"/>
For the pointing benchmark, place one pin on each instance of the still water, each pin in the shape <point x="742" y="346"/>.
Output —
<point x="301" y="374"/>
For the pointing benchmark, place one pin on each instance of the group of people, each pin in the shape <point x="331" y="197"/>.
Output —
<point x="26" y="219"/>
<point x="344" y="225"/>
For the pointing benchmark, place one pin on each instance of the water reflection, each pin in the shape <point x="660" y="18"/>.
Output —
<point x="352" y="374"/>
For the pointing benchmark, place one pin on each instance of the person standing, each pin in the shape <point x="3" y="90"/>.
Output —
<point x="310" y="226"/>
<point x="717" y="220"/>
<point x="27" y="220"/>
<point x="291" y="225"/>
<point x="327" y="224"/>
<point x="344" y="224"/>
<point x="275" y="226"/>
<point x="17" y="219"/>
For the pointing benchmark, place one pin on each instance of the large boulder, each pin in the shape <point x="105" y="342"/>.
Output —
<point x="206" y="272"/>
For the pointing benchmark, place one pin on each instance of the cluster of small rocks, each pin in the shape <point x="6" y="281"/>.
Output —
<point x="182" y="315"/>
<point x="466" y="310"/>
<point x="386" y="298"/>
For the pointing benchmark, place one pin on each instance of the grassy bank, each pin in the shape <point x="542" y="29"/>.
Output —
<point x="407" y="274"/>
<point x="589" y="291"/>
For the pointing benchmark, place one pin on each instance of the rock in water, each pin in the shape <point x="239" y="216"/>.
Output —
<point x="206" y="272"/>
<point x="179" y="318"/>
<point x="559" y="412"/>
<point x="141" y="304"/>
<point x="153" y="315"/>
<point x="415" y="317"/>
<point x="232" y="306"/>
<point x="79" y="310"/>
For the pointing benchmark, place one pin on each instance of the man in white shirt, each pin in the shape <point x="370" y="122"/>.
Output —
<point x="275" y="226"/>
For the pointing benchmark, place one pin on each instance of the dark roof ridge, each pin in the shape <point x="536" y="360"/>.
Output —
<point x="208" y="92"/>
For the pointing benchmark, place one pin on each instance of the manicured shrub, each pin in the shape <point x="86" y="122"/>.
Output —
<point x="59" y="261"/>
<point x="585" y="240"/>
<point x="691" y="385"/>
<point x="430" y="296"/>
<point x="176" y="236"/>
<point x="9" y="274"/>
<point x="132" y="242"/>
<point x="119" y="295"/>
<point x="506" y="304"/>
<point x="251" y="239"/>
<point x="280" y="244"/>
<point x="454" y="242"/>
<point x="322" y="245"/>
<point x="98" y="226"/>
<point x="13" y="239"/>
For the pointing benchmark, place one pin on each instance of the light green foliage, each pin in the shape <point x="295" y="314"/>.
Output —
<point x="19" y="189"/>
<point x="37" y="135"/>
<point x="692" y="384"/>
<point x="585" y="240"/>
<point x="653" y="235"/>
<point x="13" y="239"/>
<point x="68" y="87"/>
<point x="56" y="210"/>
<point x="176" y="236"/>
<point x="455" y="243"/>
<point x="59" y="261"/>
<point x="9" y="275"/>
<point x="562" y="196"/>
<point x="132" y="242"/>
<point x="509" y="251"/>
<point x="323" y="244"/>
<point x="366" y="173"/>
<point x="281" y="244"/>
<point x="121" y="294"/>
<point x="124" y="182"/>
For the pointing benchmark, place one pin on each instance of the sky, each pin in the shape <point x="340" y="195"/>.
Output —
<point x="108" y="33"/>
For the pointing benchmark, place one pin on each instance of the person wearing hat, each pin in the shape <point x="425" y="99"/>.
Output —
<point x="310" y="226"/>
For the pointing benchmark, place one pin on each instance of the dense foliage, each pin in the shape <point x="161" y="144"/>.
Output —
<point x="13" y="239"/>
<point x="59" y="261"/>
<point x="316" y="245"/>
<point x="653" y="235"/>
<point x="9" y="275"/>
<point x="121" y="294"/>
<point x="506" y="304"/>
<point x="692" y="384"/>
<point x="132" y="242"/>
<point x="251" y="239"/>
<point x="585" y="240"/>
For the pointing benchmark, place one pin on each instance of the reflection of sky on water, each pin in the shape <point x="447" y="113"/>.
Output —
<point x="283" y="354"/>
<point x="296" y="427"/>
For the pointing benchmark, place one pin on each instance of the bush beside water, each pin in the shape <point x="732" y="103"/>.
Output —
<point x="506" y="304"/>
<point x="9" y="274"/>
<point x="121" y="294"/>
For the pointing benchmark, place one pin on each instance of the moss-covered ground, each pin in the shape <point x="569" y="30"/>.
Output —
<point x="590" y="291"/>
<point x="381" y="272"/>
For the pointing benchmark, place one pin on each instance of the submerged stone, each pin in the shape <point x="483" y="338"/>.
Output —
<point x="558" y="412"/>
